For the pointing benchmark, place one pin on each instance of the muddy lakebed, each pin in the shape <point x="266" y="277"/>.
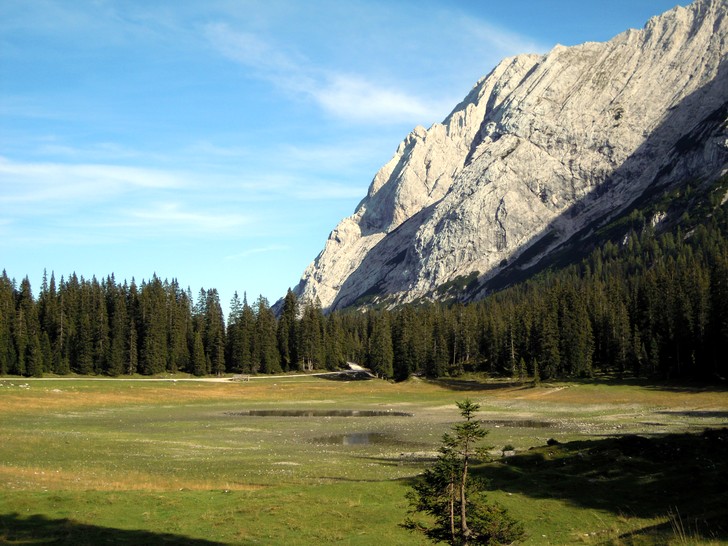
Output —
<point x="365" y="437"/>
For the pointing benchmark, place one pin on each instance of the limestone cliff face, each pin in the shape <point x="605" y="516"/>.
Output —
<point x="541" y="147"/>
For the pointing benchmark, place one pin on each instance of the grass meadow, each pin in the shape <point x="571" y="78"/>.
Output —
<point x="190" y="462"/>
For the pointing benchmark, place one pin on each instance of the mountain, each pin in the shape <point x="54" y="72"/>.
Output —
<point x="542" y="153"/>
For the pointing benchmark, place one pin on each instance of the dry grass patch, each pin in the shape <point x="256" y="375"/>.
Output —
<point x="42" y="478"/>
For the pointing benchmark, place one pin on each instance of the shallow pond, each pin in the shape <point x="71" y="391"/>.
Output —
<point x="526" y="423"/>
<point x="356" y="439"/>
<point x="319" y="413"/>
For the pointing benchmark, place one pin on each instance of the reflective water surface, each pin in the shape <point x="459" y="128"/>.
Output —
<point x="320" y="413"/>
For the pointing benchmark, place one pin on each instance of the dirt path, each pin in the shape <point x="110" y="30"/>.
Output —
<point x="353" y="369"/>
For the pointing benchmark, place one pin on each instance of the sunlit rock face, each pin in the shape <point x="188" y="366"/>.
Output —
<point x="540" y="148"/>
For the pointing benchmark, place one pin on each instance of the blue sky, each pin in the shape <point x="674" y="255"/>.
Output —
<point x="219" y="142"/>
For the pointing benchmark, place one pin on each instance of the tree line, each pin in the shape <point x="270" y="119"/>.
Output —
<point x="648" y="305"/>
<point x="105" y="327"/>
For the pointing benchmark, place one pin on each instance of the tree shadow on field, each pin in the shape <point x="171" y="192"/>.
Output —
<point x="653" y="384"/>
<point x="470" y="385"/>
<point x="39" y="529"/>
<point x="680" y="474"/>
<point x="347" y="376"/>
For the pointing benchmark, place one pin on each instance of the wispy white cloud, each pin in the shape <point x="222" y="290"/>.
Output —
<point x="249" y="49"/>
<point x="255" y="251"/>
<point x="499" y="41"/>
<point x="363" y="94"/>
<point x="24" y="183"/>
<point x="353" y="98"/>
<point x="176" y="217"/>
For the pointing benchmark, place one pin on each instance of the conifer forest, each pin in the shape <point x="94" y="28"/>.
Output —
<point x="645" y="305"/>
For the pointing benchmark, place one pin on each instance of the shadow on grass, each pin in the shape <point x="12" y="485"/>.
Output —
<point x="39" y="529"/>
<point x="652" y="384"/>
<point x="685" y="474"/>
<point x="347" y="376"/>
<point x="704" y="414"/>
<point x="471" y="385"/>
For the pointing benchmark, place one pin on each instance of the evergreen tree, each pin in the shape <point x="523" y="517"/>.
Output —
<point x="214" y="338"/>
<point x="333" y="343"/>
<point x="199" y="364"/>
<point x="119" y="331"/>
<point x="179" y="314"/>
<point x="26" y="329"/>
<point x="233" y="354"/>
<point x="287" y="332"/>
<point x="310" y="341"/>
<point x="34" y="357"/>
<point x="381" y="351"/>
<point x="455" y="501"/>
<point x="8" y="356"/>
<point x="100" y="328"/>
<point x="265" y="346"/>
<point x="247" y="335"/>
<point x="132" y="307"/>
<point x="153" y="346"/>
<point x="437" y="362"/>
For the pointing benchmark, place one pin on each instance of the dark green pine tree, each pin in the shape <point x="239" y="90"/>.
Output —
<point x="287" y="332"/>
<point x="456" y="503"/>
<point x="265" y="346"/>
<point x="8" y="356"/>
<point x="100" y="328"/>
<point x="42" y="310"/>
<point x="179" y="314"/>
<point x="404" y="362"/>
<point x="34" y="358"/>
<point x="62" y="333"/>
<point x="82" y="341"/>
<point x="152" y="303"/>
<point x="133" y="311"/>
<point x="214" y="337"/>
<point x="333" y="344"/>
<point x="381" y="350"/>
<point x="25" y="327"/>
<point x="246" y="331"/>
<point x="234" y="350"/>
<point x="719" y="315"/>
<point x="119" y="331"/>
<point x="51" y="322"/>
<point x="548" y="356"/>
<point x="577" y="342"/>
<point x="199" y="365"/>
<point x="437" y="362"/>
<point x="310" y="336"/>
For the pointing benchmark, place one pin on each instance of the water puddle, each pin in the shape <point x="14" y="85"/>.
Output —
<point x="319" y="413"/>
<point x="356" y="439"/>
<point x="526" y="423"/>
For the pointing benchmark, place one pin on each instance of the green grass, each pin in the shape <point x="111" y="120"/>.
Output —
<point x="128" y="462"/>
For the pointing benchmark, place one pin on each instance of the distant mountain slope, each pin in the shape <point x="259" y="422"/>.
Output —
<point x="543" y="151"/>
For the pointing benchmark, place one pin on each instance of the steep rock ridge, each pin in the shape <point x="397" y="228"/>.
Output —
<point x="540" y="148"/>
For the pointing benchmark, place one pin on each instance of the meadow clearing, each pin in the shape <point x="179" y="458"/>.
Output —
<point x="307" y="460"/>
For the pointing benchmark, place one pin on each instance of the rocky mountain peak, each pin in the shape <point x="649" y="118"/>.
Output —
<point x="542" y="147"/>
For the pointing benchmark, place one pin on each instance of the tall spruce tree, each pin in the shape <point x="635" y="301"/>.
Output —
<point x="153" y="308"/>
<point x="381" y="350"/>
<point x="288" y="332"/>
<point x="8" y="356"/>
<point x="310" y="336"/>
<point x="265" y="346"/>
<point x="214" y="338"/>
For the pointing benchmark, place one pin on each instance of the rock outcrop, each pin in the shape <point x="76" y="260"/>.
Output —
<point x="542" y="148"/>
